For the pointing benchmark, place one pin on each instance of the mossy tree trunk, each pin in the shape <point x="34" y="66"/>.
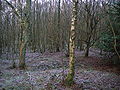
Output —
<point x="23" y="43"/>
<point x="25" y="27"/>
<point x="69" y="79"/>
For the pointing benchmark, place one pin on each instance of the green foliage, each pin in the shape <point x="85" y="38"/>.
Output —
<point x="69" y="80"/>
<point x="106" y="41"/>
<point x="114" y="11"/>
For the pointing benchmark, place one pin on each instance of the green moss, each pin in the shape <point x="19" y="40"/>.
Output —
<point x="22" y="66"/>
<point x="69" y="79"/>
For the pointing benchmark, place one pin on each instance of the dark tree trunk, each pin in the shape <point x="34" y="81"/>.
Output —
<point x="87" y="50"/>
<point x="0" y="48"/>
<point x="57" y="49"/>
<point x="101" y="51"/>
<point x="0" y="28"/>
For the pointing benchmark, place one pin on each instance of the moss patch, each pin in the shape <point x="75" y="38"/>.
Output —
<point x="69" y="80"/>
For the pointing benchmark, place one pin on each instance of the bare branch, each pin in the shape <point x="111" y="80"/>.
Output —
<point x="13" y="8"/>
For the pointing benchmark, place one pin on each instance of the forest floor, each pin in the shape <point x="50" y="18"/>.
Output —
<point x="46" y="71"/>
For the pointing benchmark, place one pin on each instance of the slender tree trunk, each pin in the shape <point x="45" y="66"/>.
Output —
<point x="58" y="42"/>
<point x="87" y="47"/>
<point x="87" y="51"/>
<point x="81" y="47"/>
<point x="67" y="51"/>
<point x="23" y="50"/>
<point x="0" y="28"/>
<point x="101" y="51"/>
<point x="69" y="79"/>
<point x="33" y="30"/>
<point x="25" y="27"/>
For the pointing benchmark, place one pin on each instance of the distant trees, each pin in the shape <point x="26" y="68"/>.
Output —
<point x="111" y="36"/>
<point x="40" y="26"/>
<point x="50" y="24"/>
<point x="91" y="10"/>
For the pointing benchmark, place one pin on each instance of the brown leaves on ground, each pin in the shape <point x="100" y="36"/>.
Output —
<point x="97" y="63"/>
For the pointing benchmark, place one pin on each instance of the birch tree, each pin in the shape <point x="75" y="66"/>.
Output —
<point x="70" y="76"/>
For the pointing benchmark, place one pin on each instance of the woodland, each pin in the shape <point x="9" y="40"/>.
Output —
<point x="59" y="45"/>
